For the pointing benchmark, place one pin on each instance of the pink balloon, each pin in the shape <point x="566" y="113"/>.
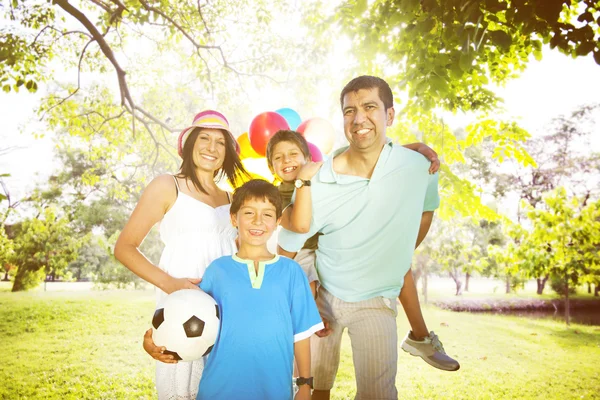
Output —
<point x="263" y="127"/>
<point x="318" y="131"/>
<point x="315" y="153"/>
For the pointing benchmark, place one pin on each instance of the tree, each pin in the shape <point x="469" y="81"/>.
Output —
<point x="217" y="47"/>
<point x="44" y="246"/>
<point x="568" y="230"/>
<point x="6" y="252"/>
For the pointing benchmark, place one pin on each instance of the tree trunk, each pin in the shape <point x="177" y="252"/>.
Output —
<point x="18" y="285"/>
<point x="541" y="284"/>
<point x="596" y="290"/>
<point x="467" y="276"/>
<point x="507" y="284"/>
<point x="589" y="288"/>
<point x="5" y="276"/>
<point x="567" y="311"/>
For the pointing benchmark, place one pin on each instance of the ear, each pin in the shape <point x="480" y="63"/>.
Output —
<point x="391" y="113"/>
<point x="233" y="218"/>
<point x="279" y="221"/>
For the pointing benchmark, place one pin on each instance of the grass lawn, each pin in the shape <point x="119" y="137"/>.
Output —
<point x="87" y="345"/>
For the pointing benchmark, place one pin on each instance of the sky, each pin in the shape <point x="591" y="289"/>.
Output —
<point x="555" y="85"/>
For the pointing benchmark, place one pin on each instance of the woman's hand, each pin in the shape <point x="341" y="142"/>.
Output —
<point x="176" y="284"/>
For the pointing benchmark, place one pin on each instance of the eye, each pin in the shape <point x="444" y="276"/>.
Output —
<point x="370" y="107"/>
<point x="204" y="138"/>
<point x="269" y="215"/>
<point x="277" y="158"/>
<point x="348" y="112"/>
<point x="221" y="143"/>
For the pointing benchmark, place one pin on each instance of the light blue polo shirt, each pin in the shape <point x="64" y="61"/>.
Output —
<point x="369" y="226"/>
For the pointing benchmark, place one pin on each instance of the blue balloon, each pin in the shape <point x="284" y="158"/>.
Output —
<point x="291" y="117"/>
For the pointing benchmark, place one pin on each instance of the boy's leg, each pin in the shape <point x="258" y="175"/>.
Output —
<point x="374" y="337"/>
<point x="410" y="302"/>
<point x="420" y="342"/>
<point x="325" y="351"/>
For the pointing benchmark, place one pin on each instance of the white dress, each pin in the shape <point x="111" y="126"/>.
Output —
<point x="194" y="235"/>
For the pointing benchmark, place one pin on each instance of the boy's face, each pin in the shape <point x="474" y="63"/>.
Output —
<point x="256" y="221"/>
<point x="287" y="159"/>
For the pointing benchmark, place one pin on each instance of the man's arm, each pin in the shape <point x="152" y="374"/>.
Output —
<point x="302" y="356"/>
<point x="426" y="220"/>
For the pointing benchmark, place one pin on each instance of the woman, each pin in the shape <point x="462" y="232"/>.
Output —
<point x="195" y="227"/>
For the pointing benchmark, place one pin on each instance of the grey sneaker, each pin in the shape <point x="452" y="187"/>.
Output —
<point x="431" y="350"/>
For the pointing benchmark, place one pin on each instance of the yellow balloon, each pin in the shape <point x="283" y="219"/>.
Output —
<point x="258" y="168"/>
<point x="246" y="150"/>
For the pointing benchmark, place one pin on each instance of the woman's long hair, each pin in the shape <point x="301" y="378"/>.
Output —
<point x="232" y="165"/>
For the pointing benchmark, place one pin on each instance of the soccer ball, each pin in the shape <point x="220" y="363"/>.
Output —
<point x="186" y="322"/>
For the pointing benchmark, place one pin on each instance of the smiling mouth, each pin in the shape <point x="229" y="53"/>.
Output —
<point x="206" y="157"/>
<point x="363" y="131"/>
<point x="256" y="232"/>
<point x="287" y="170"/>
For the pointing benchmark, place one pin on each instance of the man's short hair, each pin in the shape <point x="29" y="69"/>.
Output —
<point x="256" y="189"/>
<point x="287" y="136"/>
<point x="369" y="82"/>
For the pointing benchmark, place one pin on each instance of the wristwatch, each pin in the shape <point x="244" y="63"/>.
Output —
<point x="301" y="182"/>
<point x="304" y="381"/>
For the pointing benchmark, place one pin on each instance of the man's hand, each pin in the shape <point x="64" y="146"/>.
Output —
<point x="309" y="170"/>
<point x="326" y="331"/>
<point x="155" y="351"/>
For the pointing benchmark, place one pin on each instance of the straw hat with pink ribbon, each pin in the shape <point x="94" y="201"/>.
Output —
<point x="206" y="119"/>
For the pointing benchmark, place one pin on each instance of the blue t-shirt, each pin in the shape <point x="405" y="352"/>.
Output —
<point x="262" y="315"/>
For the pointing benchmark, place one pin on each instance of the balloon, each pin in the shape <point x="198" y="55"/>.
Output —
<point x="315" y="153"/>
<point x="258" y="168"/>
<point x="292" y="117"/>
<point x="263" y="127"/>
<point x="318" y="131"/>
<point x="246" y="150"/>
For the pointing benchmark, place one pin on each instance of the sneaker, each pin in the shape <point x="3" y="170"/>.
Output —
<point x="431" y="350"/>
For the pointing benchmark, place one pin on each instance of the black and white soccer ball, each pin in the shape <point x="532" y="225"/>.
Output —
<point x="186" y="322"/>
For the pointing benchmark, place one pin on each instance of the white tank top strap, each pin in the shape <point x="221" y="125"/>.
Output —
<point x="228" y="197"/>
<point x="176" y="184"/>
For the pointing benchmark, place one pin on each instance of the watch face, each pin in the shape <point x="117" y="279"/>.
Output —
<point x="298" y="183"/>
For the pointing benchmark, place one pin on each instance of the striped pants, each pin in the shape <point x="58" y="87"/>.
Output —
<point x="374" y="338"/>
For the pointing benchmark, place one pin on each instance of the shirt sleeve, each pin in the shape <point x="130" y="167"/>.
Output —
<point x="432" y="197"/>
<point x="206" y="284"/>
<point x="306" y="319"/>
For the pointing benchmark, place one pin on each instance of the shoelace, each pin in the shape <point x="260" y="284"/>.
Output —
<point x="435" y="342"/>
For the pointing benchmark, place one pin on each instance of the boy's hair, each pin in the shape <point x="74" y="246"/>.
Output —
<point x="369" y="82"/>
<point x="287" y="136"/>
<point x="256" y="189"/>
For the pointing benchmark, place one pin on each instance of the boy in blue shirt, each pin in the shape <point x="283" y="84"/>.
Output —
<point x="267" y="309"/>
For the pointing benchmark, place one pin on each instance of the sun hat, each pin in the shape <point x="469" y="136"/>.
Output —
<point x="206" y="119"/>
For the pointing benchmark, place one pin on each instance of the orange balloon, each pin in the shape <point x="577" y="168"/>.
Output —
<point x="246" y="150"/>
<point x="319" y="132"/>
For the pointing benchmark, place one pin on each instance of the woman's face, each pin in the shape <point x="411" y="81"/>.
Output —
<point x="209" y="149"/>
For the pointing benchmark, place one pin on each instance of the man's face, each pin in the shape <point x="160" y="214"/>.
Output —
<point x="366" y="119"/>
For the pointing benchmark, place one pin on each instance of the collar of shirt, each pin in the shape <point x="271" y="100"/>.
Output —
<point x="328" y="175"/>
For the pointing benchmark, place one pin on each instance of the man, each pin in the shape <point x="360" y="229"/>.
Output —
<point x="373" y="203"/>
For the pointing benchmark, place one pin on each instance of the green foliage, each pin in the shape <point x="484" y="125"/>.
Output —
<point x="45" y="245"/>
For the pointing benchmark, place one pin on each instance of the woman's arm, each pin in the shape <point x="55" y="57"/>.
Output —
<point x="151" y="208"/>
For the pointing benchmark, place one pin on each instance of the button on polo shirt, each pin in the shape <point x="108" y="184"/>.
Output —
<point x="369" y="226"/>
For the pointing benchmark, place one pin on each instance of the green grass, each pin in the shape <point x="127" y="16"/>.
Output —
<point x="87" y="345"/>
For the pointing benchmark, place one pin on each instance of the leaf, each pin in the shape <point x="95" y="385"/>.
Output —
<point x="466" y="61"/>
<point x="501" y="39"/>
<point x="584" y="48"/>
<point x="359" y="8"/>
